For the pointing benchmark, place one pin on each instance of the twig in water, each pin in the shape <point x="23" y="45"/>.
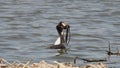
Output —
<point x="75" y="59"/>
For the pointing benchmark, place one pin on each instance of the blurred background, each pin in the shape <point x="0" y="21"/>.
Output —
<point x="28" y="27"/>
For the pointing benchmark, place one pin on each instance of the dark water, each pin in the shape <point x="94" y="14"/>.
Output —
<point x="27" y="27"/>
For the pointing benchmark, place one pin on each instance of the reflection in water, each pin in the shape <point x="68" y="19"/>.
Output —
<point x="27" y="27"/>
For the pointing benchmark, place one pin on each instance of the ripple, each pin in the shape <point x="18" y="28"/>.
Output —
<point x="116" y="13"/>
<point x="10" y="49"/>
<point x="16" y="37"/>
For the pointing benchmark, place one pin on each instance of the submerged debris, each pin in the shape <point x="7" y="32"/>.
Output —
<point x="94" y="60"/>
<point x="109" y="52"/>
<point x="113" y="53"/>
<point x="90" y="59"/>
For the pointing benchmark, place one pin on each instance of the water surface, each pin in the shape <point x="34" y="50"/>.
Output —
<point x="27" y="27"/>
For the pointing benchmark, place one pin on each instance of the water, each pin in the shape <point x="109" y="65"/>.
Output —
<point x="27" y="28"/>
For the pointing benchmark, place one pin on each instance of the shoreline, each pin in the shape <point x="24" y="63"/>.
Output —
<point x="44" y="64"/>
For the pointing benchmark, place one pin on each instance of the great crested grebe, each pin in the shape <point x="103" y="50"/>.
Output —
<point x="64" y="36"/>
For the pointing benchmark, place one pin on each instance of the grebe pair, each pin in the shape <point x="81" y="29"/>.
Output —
<point x="64" y="36"/>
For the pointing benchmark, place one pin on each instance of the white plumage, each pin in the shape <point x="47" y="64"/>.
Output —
<point x="57" y="42"/>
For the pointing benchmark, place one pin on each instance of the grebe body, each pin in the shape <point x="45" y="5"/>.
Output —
<point x="62" y="40"/>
